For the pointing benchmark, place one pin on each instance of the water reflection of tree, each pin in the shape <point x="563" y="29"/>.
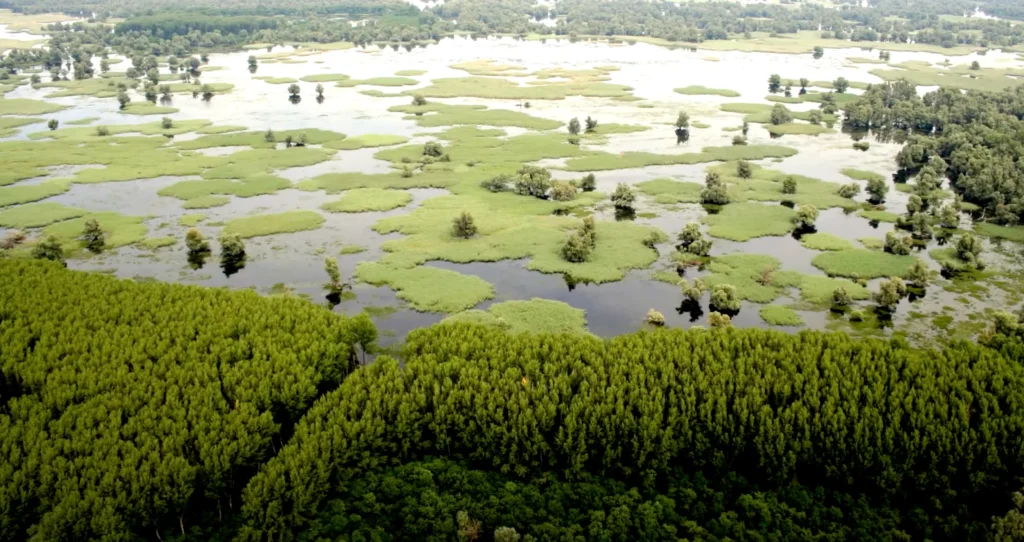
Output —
<point x="692" y="308"/>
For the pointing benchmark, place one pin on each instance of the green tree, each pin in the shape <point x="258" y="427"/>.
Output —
<point x="463" y="226"/>
<point x="532" y="181"/>
<point x="52" y="124"/>
<point x="841" y="85"/>
<point x="719" y="320"/>
<point x="588" y="183"/>
<point x="293" y="91"/>
<point x="848" y="190"/>
<point x="803" y="85"/>
<point x="123" y="99"/>
<point x="48" y="249"/>
<point x="576" y="248"/>
<point x="975" y="65"/>
<point x="1010" y="526"/>
<point x="694" y="292"/>
<point x="563" y="191"/>
<point x="624" y="196"/>
<point x="153" y="75"/>
<point x="968" y="249"/>
<point x="714" y="191"/>
<point x="469" y="529"/>
<point x="774" y="83"/>
<point x="334" y="285"/>
<point x="781" y="115"/>
<point x="877" y="189"/>
<point x="724" y="298"/>
<point x="498" y="183"/>
<point x="253" y="64"/>
<point x="889" y="293"/>
<point x="196" y="243"/>
<point x="590" y="125"/>
<point x="900" y="245"/>
<point x="789" y="185"/>
<point x="433" y="149"/>
<point x="419" y="101"/>
<point x="683" y="120"/>
<point x="744" y="169"/>
<point x="574" y="126"/>
<point x="232" y="253"/>
<point x="819" y="51"/>
<point x="93" y="237"/>
<point x="806" y="216"/>
<point x="655" y="318"/>
<point x="166" y="123"/>
<point x="506" y="534"/>
<point x="919" y="274"/>
<point x="841" y="298"/>
<point x="319" y="90"/>
<point x="269" y="136"/>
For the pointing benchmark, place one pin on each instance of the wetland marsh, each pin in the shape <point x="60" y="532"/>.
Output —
<point x="494" y="104"/>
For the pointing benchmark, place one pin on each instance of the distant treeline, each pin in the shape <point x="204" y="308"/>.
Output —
<point x="166" y="25"/>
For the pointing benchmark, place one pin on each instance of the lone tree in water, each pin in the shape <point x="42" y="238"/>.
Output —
<point x="319" y="90"/>
<point x="774" y="83"/>
<point x="841" y="85"/>
<point x="335" y="285"/>
<point x="49" y="249"/>
<point x="624" y="196"/>
<point x="806" y="216"/>
<point x="232" y="254"/>
<point x="293" y="91"/>
<point x="574" y="126"/>
<point x="198" y="248"/>
<point x="93" y="237"/>
<point x="877" y="189"/>
<point x="714" y="191"/>
<point x="53" y="124"/>
<point x="683" y="120"/>
<point x="123" y="99"/>
<point x="419" y="100"/>
<point x="252" y="64"/>
<point x="591" y="125"/>
<point x="463" y="226"/>
<point x="781" y="115"/>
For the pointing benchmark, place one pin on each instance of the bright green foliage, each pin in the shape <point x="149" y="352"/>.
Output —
<point x="49" y="249"/>
<point x="361" y="200"/>
<point x="683" y="120"/>
<point x="780" y="115"/>
<point x="848" y="190"/>
<point x="563" y="191"/>
<point x="549" y="389"/>
<point x="93" y="237"/>
<point x="286" y="222"/>
<point x="745" y="221"/>
<point x="533" y="316"/>
<point x="919" y="274"/>
<point x="654" y="318"/>
<point x="901" y="245"/>
<point x="865" y="264"/>
<point x="532" y="181"/>
<point x="187" y="385"/>
<point x="428" y="289"/>
<point x="37" y="215"/>
<point x="232" y="251"/>
<point x="718" y="320"/>
<point x="788" y="185"/>
<point x="195" y="242"/>
<point x="15" y="195"/>
<point x="668" y="191"/>
<point x="806" y="216"/>
<point x="777" y="315"/>
<point x="825" y="241"/>
<point x="463" y="226"/>
<point x="588" y="183"/>
<point x="254" y="185"/>
<point x="723" y="297"/>
<point x="334" y="284"/>
<point x="624" y="196"/>
<point x="574" y="126"/>
<point x="841" y="298"/>
<point x="697" y="90"/>
<point x="714" y="191"/>
<point x="889" y="293"/>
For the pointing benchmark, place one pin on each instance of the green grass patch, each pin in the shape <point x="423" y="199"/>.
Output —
<point x="410" y="73"/>
<point x="8" y="124"/>
<point x="881" y="216"/>
<point x="147" y="108"/>
<point x="958" y="76"/>
<point x="255" y="139"/>
<point x="365" y="141"/>
<point x="668" y="192"/>
<point x="533" y="316"/>
<point x="746" y="221"/>
<point x="777" y="315"/>
<point x="861" y="175"/>
<point x="503" y="89"/>
<point x="276" y="80"/>
<point x="206" y="202"/>
<point x="863" y="60"/>
<point x="363" y="200"/>
<point x="825" y="241"/>
<point x="191" y="219"/>
<point x="698" y="90"/>
<point x="766" y="185"/>
<point x="758" y="279"/>
<point x="797" y="129"/>
<point x="699" y="125"/>
<point x="377" y="82"/>
<point x="761" y="113"/>
<point x="351" y="249"/>
<point x="428" y="289"/>
<point x="612" y="128"/>
<point x="606" y="161"/>
<point x="82" y="122"/>
<point x="325" y="78"/>
<point x="89" y="133"/>
<point x="866" y="264"/>
<point x="1010" y="233"/>
<point x="153" y="243"/>
<point x="120" y="230"/>
<point x="873" y="243"/>
<point x="37" y="215"/>
<point x="15" y="195"/>
<point x="23" y="106"/>
<point x="270" y="224"/>
<point x="254" y="185"/>
<point x="446" y="115"/>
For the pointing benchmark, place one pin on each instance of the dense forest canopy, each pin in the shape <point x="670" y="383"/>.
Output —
<point x="977" y="135"/>
<point x="122" y="420"/>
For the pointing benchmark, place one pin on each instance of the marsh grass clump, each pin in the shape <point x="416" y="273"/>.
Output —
<point x="624" y="196"/>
